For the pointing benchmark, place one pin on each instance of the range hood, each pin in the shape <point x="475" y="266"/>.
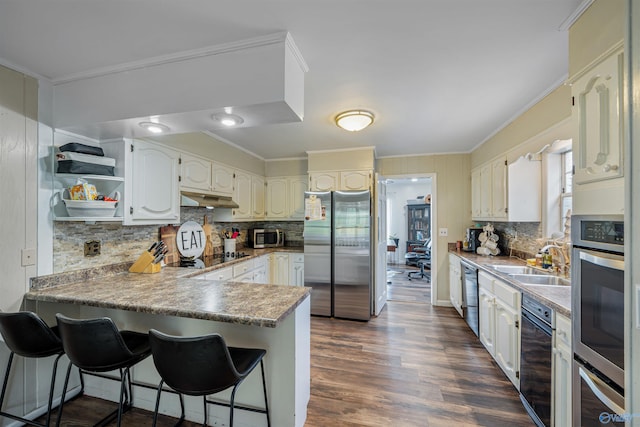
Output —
<point x="206" y="201"/>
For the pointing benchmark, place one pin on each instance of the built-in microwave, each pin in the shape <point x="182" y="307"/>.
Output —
<point x="266" y="238"/>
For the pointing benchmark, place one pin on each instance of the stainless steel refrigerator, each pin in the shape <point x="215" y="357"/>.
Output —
<point x="337" y="253"/>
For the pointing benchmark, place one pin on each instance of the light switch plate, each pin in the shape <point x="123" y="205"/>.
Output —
<point x="444" y="232"/>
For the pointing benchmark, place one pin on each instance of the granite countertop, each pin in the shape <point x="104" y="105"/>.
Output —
<point x="556" y="297"/>
<point x="173" y="292"/>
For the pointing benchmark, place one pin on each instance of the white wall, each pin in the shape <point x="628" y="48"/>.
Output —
<point x="398" y="192"/>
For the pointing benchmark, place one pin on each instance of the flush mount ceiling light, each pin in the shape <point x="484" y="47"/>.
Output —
<point x="154" y="127"/>
<point x="227" y="119"/>
<point x="354" y="120"/>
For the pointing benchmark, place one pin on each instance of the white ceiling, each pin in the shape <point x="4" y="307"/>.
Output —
<point x="441" y="76"/>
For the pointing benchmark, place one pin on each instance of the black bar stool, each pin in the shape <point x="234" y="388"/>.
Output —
<point x="27" y="335"/>
<point x="199" y="366"/>
<point x="96" y="345"/>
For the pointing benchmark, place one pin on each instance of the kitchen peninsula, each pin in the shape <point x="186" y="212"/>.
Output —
<point x="272" y="317"/>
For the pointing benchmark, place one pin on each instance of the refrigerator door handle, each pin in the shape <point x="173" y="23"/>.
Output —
<point x="600" y="390"/>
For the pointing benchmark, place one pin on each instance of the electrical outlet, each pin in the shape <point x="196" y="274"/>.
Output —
<point x="444" y="232"/>
<point x="92" y="248"/>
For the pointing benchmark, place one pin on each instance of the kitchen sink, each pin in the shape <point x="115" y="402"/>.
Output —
<point x="540" y="279"/>
<point x="516" y="269"/>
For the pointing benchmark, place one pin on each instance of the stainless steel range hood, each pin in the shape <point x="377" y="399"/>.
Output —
<point x="205" y="200"/>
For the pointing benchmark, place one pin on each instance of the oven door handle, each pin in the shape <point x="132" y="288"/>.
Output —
<point x="598" y="258"/>
<point x="600" y="389"/>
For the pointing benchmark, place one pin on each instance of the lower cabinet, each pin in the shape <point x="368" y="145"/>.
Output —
<point x="499" y="306"/>
<point x="280" y="272"/>
<point x="562" y="359"/>
<point x="455" y="282"/>
<point x="296" y="269"/>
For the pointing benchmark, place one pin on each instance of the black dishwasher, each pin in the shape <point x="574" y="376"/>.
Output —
<point x="535" y="360"/>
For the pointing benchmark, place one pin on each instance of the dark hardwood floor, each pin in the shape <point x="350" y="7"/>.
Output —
<point x="414" y="365"/>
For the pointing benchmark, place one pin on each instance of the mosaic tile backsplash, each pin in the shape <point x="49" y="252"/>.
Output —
<point x="125" y="243"/>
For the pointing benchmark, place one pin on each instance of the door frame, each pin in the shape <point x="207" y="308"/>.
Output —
<point x="434" y="228"/>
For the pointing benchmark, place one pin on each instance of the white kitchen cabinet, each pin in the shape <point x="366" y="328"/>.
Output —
<point x="219" y="274"/>
<point x="507" y="192"/>
<point x="277" y="192"/>
<point x="281" y="269"/>
<point x="355" y="180"/>
<point x="455" y="282"/>
<point x="195" y="173"/>
<point x="297" y="185"/>
<point x="476" y="194"/>
<point x="248" y="193"/>
<point x="257" y="192"/>
<point x="151" y="186"/>
<point x="340" y="180"/>
<point x="221" y="179"/>
<point x="324" y="181"/>
<point x="285" y="197"/>
<point x="296" y="269"/>
<point x="242" y="195"/>
<point x="597" y="119"/>
<point x="500" y="324"/>
<point x="562" y="362"/>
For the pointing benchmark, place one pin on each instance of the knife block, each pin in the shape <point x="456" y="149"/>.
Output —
<point x="144" y="264"/>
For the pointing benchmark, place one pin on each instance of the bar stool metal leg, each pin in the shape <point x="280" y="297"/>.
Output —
<point x="264" y="389"/>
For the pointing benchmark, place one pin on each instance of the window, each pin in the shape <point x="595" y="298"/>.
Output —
<point x="566" y="189"/>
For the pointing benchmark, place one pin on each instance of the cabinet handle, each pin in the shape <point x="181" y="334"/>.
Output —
<point x="609" y="168"/>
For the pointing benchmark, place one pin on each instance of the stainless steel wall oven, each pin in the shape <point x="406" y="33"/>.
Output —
<point x="598" y="318"/>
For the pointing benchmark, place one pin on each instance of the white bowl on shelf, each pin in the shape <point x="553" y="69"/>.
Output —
<point x="90" y="208"/>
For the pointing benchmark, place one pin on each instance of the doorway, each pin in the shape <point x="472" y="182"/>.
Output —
<point x="410" y="219"/>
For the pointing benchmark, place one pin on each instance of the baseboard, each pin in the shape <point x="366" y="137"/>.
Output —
<point x="443" y="303"/>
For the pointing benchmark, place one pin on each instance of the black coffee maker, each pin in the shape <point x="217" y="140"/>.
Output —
<point x="473" y="237"/>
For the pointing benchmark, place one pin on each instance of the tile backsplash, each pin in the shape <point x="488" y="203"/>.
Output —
<point x="125" y="243"/>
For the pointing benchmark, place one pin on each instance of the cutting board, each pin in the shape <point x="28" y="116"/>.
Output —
<point x="208" y="233"/>
<point x="168" y="236"/>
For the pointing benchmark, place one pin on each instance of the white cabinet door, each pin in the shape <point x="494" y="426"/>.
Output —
<point x="242" y="195"/>
<point x="195" y="173"/>
<point x="257" y="206"/>
<point x="355" y="180"/>
<point x="297" y="186"/>
<point x="219" y="274"/>
<point x="296" y="272"/>
<point x="260" y="275"/>
<point x="499" y="188"/>
<point x="562" y="359"/>
<point x="486" y="306"/>
<point x="281" y="269"/>
<point x="476" y="194"/>
<point x="324" y="181"/>
<point x="277" y="189"/>
<point x="455" y="283"/>
<point x="222" y="179"/>
<point x="155" y="195"/>
<point x="597" y="118"/>
<point x="507" y="341"/>
<point x="486" y="204"/>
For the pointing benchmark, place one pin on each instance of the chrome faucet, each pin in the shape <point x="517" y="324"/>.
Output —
<point x="563" y="266"/>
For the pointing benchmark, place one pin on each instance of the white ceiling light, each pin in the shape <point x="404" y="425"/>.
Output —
<point x="354" y="120"/>
<point x="154" y="127"/>
<point x="228" y="119"/>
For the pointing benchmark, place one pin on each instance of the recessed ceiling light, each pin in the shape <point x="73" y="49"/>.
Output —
<point x="154" y="127"/>
<point x="354" y="120"/>
<point x="228" y="119"/>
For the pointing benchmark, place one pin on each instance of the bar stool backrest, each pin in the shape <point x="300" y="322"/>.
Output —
<point x="93" y="344"/>
<point x="193" y="366"/>
<point x="27" y="335"/>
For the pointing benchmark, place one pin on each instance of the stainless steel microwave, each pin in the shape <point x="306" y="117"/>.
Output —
<point x="266" y="238"/>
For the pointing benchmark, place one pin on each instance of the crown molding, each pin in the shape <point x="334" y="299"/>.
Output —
<point x="571" y="19"/>
<point x="368" y="148"/>
<point x="226" y="141"/>
<point x="182" y="56"/>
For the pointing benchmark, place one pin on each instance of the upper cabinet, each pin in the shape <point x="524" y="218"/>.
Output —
<point x="285" y="197"/>
<point x="508" y="192"/>
<point x="248" y="192"/>
<point x="344" y="180"/>
<point x="151" y="173"/>
<point x="222" y="179"/>
<point x="202" y="175"/>
<point x="597" y="118"/>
